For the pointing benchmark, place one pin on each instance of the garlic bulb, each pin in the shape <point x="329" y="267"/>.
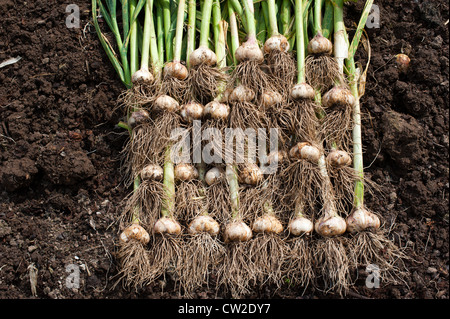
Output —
<point x="306" y="151"/>
<point x="135" y="232"/>
<point x="338" y="96"/>
<point x="267" y="224"/>
<point x="330" y="225"/>
<point x="320" y="45"/>
<point x="217" y="110"/>
<point x="204" y="224"/>
<point x="242" y="93"/>
<point x="202" y="55"/>
<point x="249" y="51"/>
<point x="137" y="118"/>
<point x="276" y="43"/>
<point x="402" y="61"/>
<point x="250" y="174"/>
<point x="142" y="76"/>
<point x="185" y="172"/>
<point x="176" y="70"/>
<point x="271" y="98"/>
<point x="167" y="225"/>
<point x="361" y="219"/>
<point x="191" y="111"/>
<point x="302" y="91"/>
<point x="338" y="158"/>
<point x="237" y="231"/>
<point x="152" y="172"/>
<point x="300" y="225"/>
<point x="166" y="103"/>
<point x="213" y="175"/>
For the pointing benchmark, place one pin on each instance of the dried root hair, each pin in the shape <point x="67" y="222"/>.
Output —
<point x="205" y="81"/>
<point x="166" y="257"/>
<point x="140" y="95"/>
<point x="219" y="199"/>
<point x="176" y="88"/>
<point x="302" y="177"/>
<point x="337" y="125"/>
<point x="148" y="197"/>
<point x="282" y="68"/>
<point x="371" y="247"/>
<point x="190" y="200"/>
<point x="322" y="71"/>
<point x="268" y="253"/>
<point x="252" y="75"/>
<point x="134" y="264"/>
<point x="236" y="272"/>
<point x="248" y="115"/>
<point x="331" y="265"/>
<point x="202" y="255"/>
<point x="298" y="267"/>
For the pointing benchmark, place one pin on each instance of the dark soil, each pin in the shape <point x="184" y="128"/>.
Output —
<point x="60" y="184"/>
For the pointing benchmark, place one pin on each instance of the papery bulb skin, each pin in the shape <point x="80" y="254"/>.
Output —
<point x="338" y="158"/>
<point x="242" y="93"/>
<point x="176" y="69"/>
<point x="338" y="96"/>
<point x="251" y="174"/>
<point x="152" y="172"/>
<point x="166" y="103"/>
<point x="305" y="151"/>
<point x="249" y="51"/>
<point x="202" y="55"/>
<point x="402" y="61"/>
<point x="204" y="224"/>
<point x="217" y="110"/>
<point x="192" y="111"/>
<point x="237" y="231"/>
<point x="271" y="98"/>
<point x="361" y="219"/>
<point x="276" y="43"/>
<point x="267" y="224"/>
<point x="185" y="172"/>
<point x="213" y="175"/>
<point x="300" y="225"/>
<point x="135" y="232"/>
<point x="142" y="76"/>
<point x="137" y="118"/>
<point x="302" y="91"/>
<point x="330" y="226"/>
<point x="320" y="45"/>
<point x="167" y="225"/>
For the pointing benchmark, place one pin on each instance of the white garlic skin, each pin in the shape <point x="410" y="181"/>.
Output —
<point x="166" y="103"/>
<point x="249" y="51"/>
<point x="166" y="225"/>
<point x="276" y="43"/>
<point x="300" y="225"/>
<point x="192" y="111"/>
<point x="338" y="96"/>
<point x="213" y="175"/>
<point x="330" y="226"/>
<point x="237" y="231"/>
<point x="251" y="174"/>
<point x="137" y="118"/>
<point x="361" y="219"/>
<point x="271" y="98"/>
<point x="176" y="70"/>
<point x="152" y="172"/>
<point x="135" y="232"/>
<point x="267" y="224"/>
<point x="320" y="45"/>
<point x="217" y="110"/>
<point x="185" y="172"/>
<point x="242" y="93"/>
<point x="142" y="76"/>
<point x="339" y="158"/>
<point x="302" y="91"/>
<point x="204" y="224"/>
<point x="202" y="55"/>
<point x="305" y="151"/>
